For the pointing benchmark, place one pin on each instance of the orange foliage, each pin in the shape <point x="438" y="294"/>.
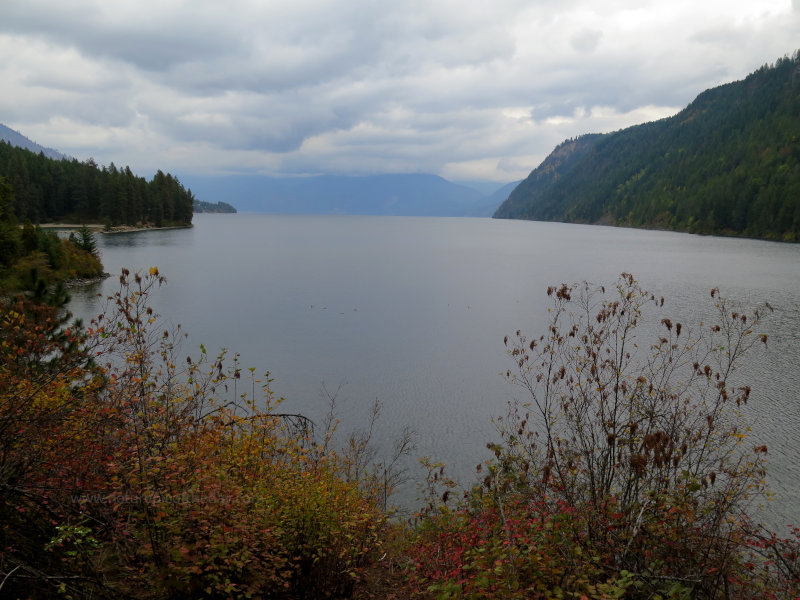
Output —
<point x="144" y="478"/>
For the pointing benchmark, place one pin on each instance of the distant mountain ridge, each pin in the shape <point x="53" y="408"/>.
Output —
<point x="729" y="164"/>
<point x="15" y="138"/>
<point x="490" y="203"/>
<point x="415" y="194"/>
<point x="394" y="194"/>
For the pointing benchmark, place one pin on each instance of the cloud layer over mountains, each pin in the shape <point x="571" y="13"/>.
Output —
<point x="467" y="90"/>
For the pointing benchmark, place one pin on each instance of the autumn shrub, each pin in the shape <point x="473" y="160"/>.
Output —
<point x="47" y="423"/>
<point x="79" y="263"/>
<point x="44" y="260"/>
<point x="282" y="518"/>
<point x="480" y="552"/>
<point x="626" y="469"/>
<point x="771" y="569"/>
<point x="131" y="471"/>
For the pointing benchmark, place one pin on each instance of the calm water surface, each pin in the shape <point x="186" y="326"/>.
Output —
<point x="413" y="311"/>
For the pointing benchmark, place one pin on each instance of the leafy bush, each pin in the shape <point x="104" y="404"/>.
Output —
<point x="129" y="472"/>
<point x="47" y="415"/>
<point x="627" y="469"/>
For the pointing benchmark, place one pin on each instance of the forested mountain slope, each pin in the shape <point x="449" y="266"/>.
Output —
<point x="729" y="164"/>
<point x="557" y="165"/>
<point x="45" y="189"/>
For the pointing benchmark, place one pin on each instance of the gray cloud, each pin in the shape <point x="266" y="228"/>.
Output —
<point x="465" y="89"/>
<point x="150" y="36"/>
<point x="586" y="41"/>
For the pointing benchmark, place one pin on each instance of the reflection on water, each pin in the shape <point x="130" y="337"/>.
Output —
<point x="413" y="311"/>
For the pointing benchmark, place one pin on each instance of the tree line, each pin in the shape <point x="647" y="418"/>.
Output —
<point x="72" y="191"/>
<point x="37" y="261"/>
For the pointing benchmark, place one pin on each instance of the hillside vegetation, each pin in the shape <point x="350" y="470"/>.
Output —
<point x="728" y="164"/>
<point x="130" y="470"/>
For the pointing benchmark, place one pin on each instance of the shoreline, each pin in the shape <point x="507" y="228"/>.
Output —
<point x="100" y="228"/>
<point x="82" y="281"/>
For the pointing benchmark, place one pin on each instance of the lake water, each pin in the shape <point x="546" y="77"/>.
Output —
<point x="413" y="311"/>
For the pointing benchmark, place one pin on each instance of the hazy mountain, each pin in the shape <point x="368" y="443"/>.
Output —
<point x="405" y="194"/>
<point x="15" y="138"/>
<point x="492" y="201"/>
<point x="729" y="163"/>
<point x="486" y="188"/>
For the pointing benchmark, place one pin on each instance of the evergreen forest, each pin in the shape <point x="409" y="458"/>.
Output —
<point x="728" y="164"/>
<point x="38" y="261"/>
<point x="70" y="191"/>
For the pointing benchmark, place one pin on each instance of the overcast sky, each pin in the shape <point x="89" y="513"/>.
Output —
<point x="467" y="90"/>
